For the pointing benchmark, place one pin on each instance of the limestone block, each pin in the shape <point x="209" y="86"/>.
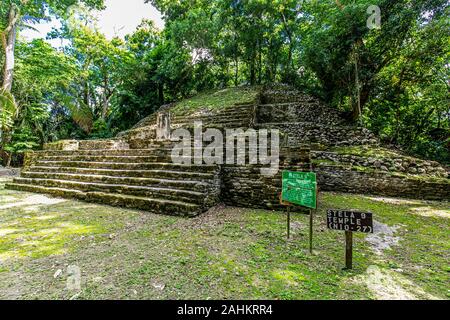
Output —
<point x="63" y="145"/>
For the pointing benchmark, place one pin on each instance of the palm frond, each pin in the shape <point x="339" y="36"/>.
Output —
<point x="8" y="110"/>
<point x="81" y="114"/>
<point x="32" y="20"/>
<point x="28" y="27"/>
<point x="83" y="117"/>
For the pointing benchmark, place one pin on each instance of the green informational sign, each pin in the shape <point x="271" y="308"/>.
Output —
<point x="300" y="188"/>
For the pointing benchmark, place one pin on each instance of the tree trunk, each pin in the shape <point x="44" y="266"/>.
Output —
<point x="357" y="106"/>
<point x="85" y="93"/>
<point x="8" y="39"/>
<point x="289" y="66"/>
<point x="107" y="95"/>
<point x="8" y="43"/>
<point x="260" y="68"/>
<point x="252" y="72"/>
<point x="8" y="160"/>
<point x="6" y="139"/>
<point x="236" y="71"/>
<point x="161" y="93"/>
<point x="253" y="63"/>
<point x="105" y="106"/>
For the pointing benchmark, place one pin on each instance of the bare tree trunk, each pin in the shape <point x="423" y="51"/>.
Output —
<point x="289" y="66"/>
<point x="6" y="139"/>
<point x="161" y="93"/>
<point x="105" y="106"/>
<point x="86" y="94"/>
<point x="8" y="40"/>
<point x="253" y="70"/>
<point x="107" y="95"/>
<point x="8" y="43"/>
<point x="260" y="62"/>
<point x="8" y="160"/>
<point x="236" y="70"/>
<point x="357" y="106"/>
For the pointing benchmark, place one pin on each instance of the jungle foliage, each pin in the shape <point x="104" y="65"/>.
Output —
<point x="393" y="79"/>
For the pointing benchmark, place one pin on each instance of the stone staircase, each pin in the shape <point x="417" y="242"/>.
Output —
<point x="135" y="170"/>
<point x="240" y="116"/>
<point x="141" y="178"/>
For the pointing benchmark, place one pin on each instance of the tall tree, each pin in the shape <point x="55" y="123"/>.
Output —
<point x="347" y="56"/>
<point x="14" y="13"/>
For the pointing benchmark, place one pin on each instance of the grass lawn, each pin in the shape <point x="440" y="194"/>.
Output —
<point x="227" y="253"/>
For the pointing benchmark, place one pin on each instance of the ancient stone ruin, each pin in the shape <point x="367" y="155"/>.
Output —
<point x="135" y="169"/>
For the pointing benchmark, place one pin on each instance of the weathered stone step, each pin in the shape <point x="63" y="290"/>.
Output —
<point x="216" y="113"/>
<point x="214" y="124"/>
<point x="233" y="117"/>
<point x="300" y="123"/>
<point x="246" y="109"/>
<point x="176" y="208"/>
<point x="220" y="126"/>
<point x="237" y="122"/>
<point x="241" y="105"/>
<point x="126" y="166"/>
<point x="189" y="184"/>
<point x="107" y="185"/>
<point x="291" y="104"/>
<point x="198" y="186"/>
<point x="307" y="125"/>
<point x="119" y="152"/>
<point x="220" y="117"/>
<point x="181" y="175"/>
<point x="285" y="97"/>
<point x="163" y="155"/>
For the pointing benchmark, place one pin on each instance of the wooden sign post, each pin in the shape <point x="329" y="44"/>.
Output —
<point x="348" y="250"/>
<point x="288" y="212"/>
<point x="311" y="229"/>
<point x="300" y="188"/>
<point x="349" y="221"/>
<point x="288" y="222"/>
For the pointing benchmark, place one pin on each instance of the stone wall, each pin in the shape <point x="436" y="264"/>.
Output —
<point x="332" y="178"/>
<point x="301" y="133"/>
<point x="280" y="93"/>
<point x="244" y="186"/>
<point x="398" y="163"/>
<point x="313" y="112"/>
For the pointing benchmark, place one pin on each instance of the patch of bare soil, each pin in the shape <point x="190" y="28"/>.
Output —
<point x="383" y="237"/>
<point x="387" y="284"/>
<point x="34" y="200"/>
<point x="390" y="285"/>
<point x="431" y="212"/>
<point x="396" y="201"/>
